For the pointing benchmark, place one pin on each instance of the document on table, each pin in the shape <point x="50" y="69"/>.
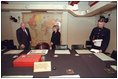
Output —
<point x="42" y="52"/>
<point x="65" y="76"/>
<point x="83" y="52"/>
<point x="13" y="52"/>
<point x="95" y="50"/>
<point x="18" y="76"/>
<point x="104" y="57"/>
<point x="62" y="52"/>
<point x="42" y="66"/>
<point x="98" y="42"/>
<point x="114" y="67"/>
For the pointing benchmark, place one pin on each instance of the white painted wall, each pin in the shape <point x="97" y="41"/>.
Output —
<point x="15" y="25"/>
<point x="64" y="30"/>
<point x="6" y="30"/>
<point x="112" y="25"/>
<point x="79" y="29"/>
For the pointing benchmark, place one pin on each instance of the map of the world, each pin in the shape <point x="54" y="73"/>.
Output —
<point x="40" y="25"/>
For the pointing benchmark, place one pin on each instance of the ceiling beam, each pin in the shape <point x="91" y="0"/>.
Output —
<point x="73" y="2"/>
<point x="92" y="3"/>
<point x="99" y="7"/>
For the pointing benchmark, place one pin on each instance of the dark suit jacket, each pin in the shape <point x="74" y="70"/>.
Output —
<point x="98" y="33"/>
<point x="55" y="39"/>
<point x="22" y="37"/>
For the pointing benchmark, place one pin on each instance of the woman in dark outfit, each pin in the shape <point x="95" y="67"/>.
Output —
<point x="55" y="39"/>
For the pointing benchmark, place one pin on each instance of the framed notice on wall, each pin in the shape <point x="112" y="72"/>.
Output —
<point x="40" y="25"/>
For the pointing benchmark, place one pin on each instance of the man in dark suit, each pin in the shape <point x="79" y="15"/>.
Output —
<point x="23" y="37"/>
<point x="100" y="32"/>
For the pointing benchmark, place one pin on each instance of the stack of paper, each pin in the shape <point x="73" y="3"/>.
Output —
<point x="14" y="52"/>
<point x="104" y="57"/>
<point x="18" y="76"/>
<point x="42" y="52"/>
<point x="98" y="42"/>
<point x="42" y="66"/>
<point x="83" y="52"/>
<point x="114" y="67"/>
<point x="65" y="76"/>
<point x="95" y="50"/>
<point x="62" y="52"/>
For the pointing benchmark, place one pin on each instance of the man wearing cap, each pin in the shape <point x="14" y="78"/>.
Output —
<point x="23" y="37"/>
<point x="100" y="32"/>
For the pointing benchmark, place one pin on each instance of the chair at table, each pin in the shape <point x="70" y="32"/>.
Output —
<point x="114" y="54"/>
<point x="8" y="44"/>
<point x="61" y="47"/>
<point x="42" y="45"/>
<point x="81" y="46"/>
<point x="88" y="44"/>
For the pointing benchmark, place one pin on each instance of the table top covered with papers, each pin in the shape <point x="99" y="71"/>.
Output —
<point x="84" y="65"/>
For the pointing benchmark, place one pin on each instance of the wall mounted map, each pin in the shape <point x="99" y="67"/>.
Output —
<point x="40" y="25"/>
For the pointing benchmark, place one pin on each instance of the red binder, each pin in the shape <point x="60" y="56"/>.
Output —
<point x="26" y="60"/>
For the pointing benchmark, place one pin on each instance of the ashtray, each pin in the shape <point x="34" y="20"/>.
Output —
<point x="76" y="54"/>
<point x="70" y="71"/>
<point x="55" y="55"/>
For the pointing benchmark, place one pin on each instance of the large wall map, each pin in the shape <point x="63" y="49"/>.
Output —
<point x="40" y="25"/>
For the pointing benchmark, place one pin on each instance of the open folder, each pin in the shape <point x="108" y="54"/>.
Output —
<point x="18" y="76"/>
<point x="114" y="67"/>
<point x="13" y="52"/>
<point x="62" y="52"/>
<point x="65" y="76"/>
<point x="83" y="52"/>
<point x="42" y="66"/>
<point x="42" y="52"/>
<point x="104" y="57"/>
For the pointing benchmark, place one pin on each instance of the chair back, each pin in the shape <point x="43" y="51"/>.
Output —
<point x="81" y="46"/>
<point x="42" y="45"/>
<point x="114" y="54"/>
<point x="61" y="47"/>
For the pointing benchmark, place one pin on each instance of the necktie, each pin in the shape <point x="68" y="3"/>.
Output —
<point x="25" y="31"/>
